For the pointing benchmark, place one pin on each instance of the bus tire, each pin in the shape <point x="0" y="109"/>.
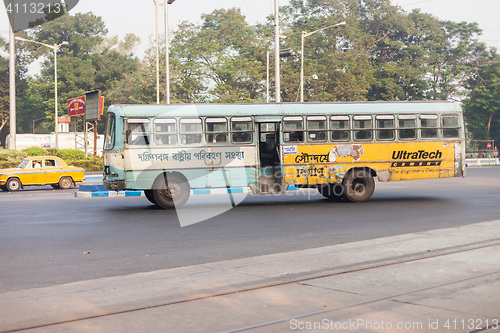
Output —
<point x="13" y="184"/>
<point x="150" y="196"/>
<point x="170" y="191"/>
<point x="65" y="183"/>
<point x="333" y="192"/>
<point x="358" y="185"/>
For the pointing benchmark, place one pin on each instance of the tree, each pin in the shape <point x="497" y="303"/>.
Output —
<point x="482" y="109"/>
<point x="90" y="61"/>
<point x="4" y="86"/>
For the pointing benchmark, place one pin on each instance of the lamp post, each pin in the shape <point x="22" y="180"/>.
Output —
<point x="167" y="62"/>
<point x="169" y="2"/>
<point x="54" y="47"/>
<point x="304" y="35"/>
<point x="277" y="52"/>
<point x="157" y="4"/>
<point x="12" y="80"/>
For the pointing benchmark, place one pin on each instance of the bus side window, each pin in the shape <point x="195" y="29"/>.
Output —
<point x="450" y="126"/>
<point x="191" y="131"/>
<point x="293" y="129"/>
<point x="241" y="130"/>
<point x="216" y="130"/>
<point x="385" y="127"/>
<point x="339" y="126"/>
<point x="362" y="126"/>
<point x="429" y="126"/>
<point x="165" y="131"/>
<point x="137" y="132"/>
<point x="316" y="128"/>
<point x="407" y="127"/>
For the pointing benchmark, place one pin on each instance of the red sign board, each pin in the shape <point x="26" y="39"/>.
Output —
<point x="488" y="145"/>
<point x="76" y="106"/>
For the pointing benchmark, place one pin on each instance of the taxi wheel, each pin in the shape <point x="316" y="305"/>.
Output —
<point x="13" y="184"/>
<point x="65" y="182"/>
<point x="170" y="191"/>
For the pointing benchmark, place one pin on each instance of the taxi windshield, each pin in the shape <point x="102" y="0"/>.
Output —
<point x="22" y="164"/>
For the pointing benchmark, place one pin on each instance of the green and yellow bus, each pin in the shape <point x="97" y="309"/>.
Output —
<point x="338" y="148"/>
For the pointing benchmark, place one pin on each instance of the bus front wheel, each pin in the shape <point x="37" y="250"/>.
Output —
<point x="170" y="191"/>
<point x="150" y="196"/>
<point x="358" y="185"/>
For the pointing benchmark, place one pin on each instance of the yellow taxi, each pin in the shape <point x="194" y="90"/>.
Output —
<point x="40" y="170"/>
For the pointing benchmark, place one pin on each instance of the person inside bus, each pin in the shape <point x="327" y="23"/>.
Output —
<point x="140" y="139"/>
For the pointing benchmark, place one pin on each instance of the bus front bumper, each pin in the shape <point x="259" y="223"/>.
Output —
<point x="114" y="186"/>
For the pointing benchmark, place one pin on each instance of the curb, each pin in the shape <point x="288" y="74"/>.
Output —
<point x="130" y="193"/>
<point x="95" y="191"/>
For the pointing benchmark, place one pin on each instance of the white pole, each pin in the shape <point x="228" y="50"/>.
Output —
<point x="157" y="58"/>
<point x="167" y="62"/>
<point x="55" y="84"/>
<point x="277" y="51"/>
<point x="12" y="80"/>
<point x="267" y="78"/>
<point x="302" y="68"/>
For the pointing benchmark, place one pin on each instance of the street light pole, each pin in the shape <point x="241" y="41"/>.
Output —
<point x="54" y="47"/>
<point x="277" y="52"/>
<point x="12" y="80"/>
<point x="167" y="61"/>
<point x="304" y="35"/>
<point x="157" y="4"/>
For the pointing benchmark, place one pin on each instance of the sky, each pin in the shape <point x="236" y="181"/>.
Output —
<point x="127" y="16"/>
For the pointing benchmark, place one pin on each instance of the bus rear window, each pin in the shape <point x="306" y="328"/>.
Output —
<point x="450" y="126"/>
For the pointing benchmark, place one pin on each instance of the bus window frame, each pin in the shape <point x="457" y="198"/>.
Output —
<point x="145" y="134"/>
<point x="450" y="128"/>
<point x="343" y="130"/>
<point x="185" y="135"/>
<point x="239" y="133"/>
<point x="316" y="131"/>
<point x="428" y="128"/>
<point x="216" y="133"/>
<point x="296" y="133"/>
<point x="391" y="130"/>
<point x="414" y="128"/>
<point x="357" y="130"/>
<point x="174" y="133"/>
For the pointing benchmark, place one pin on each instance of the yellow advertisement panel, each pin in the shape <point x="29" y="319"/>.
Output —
<point x="327" y="163"/>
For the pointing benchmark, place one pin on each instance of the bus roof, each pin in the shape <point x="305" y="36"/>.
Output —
<point x="282" y="109"/>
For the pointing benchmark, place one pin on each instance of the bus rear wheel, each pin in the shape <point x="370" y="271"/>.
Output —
<point x="333" y="192"/>
<point x="170" y="191"/>
<point x="358" y="185"/>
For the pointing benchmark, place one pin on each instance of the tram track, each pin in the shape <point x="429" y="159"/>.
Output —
<point x="302" y="278"/>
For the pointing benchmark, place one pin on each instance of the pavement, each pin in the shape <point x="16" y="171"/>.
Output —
<point x="445" y="280"/>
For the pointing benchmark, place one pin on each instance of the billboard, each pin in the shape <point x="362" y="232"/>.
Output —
<point x="76" y="106"/>
<point x="93" y="105"/>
